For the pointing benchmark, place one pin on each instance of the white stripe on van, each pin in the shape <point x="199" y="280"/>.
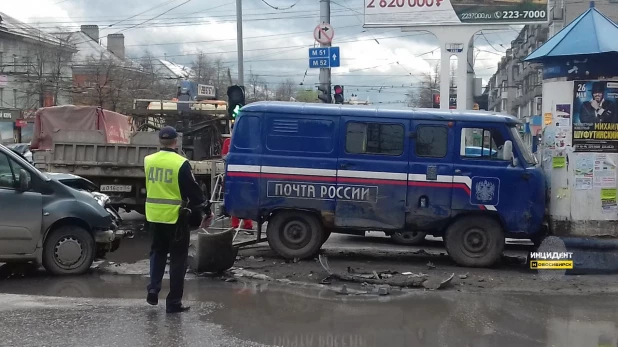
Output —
<point x="353" y="174"/>
<point x="243" y="168"/>
<point x="373" y="175"/>
<point x="299" y="171"/>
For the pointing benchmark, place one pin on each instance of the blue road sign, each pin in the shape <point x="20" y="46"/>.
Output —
<point x="318" y="52"/>
<point x="324" y="57"/>
<point x="334" y="57"/>
<point x="317" y="63"/>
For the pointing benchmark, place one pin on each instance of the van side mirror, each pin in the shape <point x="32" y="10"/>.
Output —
<point x="507" y="151"/>
<point x="24" y="181"/>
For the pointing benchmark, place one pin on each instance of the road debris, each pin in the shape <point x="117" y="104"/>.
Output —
<point x="435" y="283"/>
<point x="464" y="276"/>
<point x="408" y="281"/>
<point x="431" y="265"/>
<point x="382" y="290"/>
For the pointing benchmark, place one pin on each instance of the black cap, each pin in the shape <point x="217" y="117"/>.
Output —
<point x="598" y="87"/>
<point x="168" y="133"/>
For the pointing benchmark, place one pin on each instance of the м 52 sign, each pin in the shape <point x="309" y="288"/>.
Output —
<point x="412" y="13"/>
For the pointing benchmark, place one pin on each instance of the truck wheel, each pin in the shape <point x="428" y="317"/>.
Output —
<point x="475" y="241"/>
<point x="408" y="237"/>
<point x="68" y="250"/>
<point x="294" y="234"/>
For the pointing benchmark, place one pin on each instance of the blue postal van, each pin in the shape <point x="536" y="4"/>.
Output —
<point x="313" y="169"/>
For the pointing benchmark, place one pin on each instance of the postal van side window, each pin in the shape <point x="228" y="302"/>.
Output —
<point x="374" y="138"/>
<point x="431" y="141"/>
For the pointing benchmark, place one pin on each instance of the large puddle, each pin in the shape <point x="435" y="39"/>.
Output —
<point x="288" y="316"/>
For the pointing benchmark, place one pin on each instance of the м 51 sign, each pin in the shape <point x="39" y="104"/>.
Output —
<point x="413" y="13"/>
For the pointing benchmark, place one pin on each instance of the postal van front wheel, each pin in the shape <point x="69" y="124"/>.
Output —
<point x="295" y="234"/>
<point x="475" y="241"/>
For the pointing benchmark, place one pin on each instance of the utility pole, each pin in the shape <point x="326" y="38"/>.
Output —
<point x="241" y="68"/>
<point x="325" y="81"/>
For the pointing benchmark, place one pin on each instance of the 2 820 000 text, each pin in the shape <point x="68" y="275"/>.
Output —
<point x="403" y="3"/>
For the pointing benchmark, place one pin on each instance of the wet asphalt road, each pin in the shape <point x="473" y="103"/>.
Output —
<point x="109" y="310"/>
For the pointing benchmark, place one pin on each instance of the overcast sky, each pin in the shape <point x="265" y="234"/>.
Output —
<point x="276" y="41"/>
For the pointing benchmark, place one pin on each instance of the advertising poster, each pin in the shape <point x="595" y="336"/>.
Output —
<point x="549" y="137"/>
<point x="547" y="118"/>
<point x="608" y="200"/>
<point x="584" y="170"/>
<point x="397" y="13"/>
<point x="604" y="172"/>
<point x="558" y="162"/>
<point x="563" y="115"/>
<point x="595" y="117"/>
<point x="562" y="137"/>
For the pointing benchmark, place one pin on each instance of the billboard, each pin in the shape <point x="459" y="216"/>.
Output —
<point x="595" y="116"/>
<point x="411" y="13"/>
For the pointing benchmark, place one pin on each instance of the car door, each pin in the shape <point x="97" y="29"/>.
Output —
<point x="371" y="173"/>
<point x="491" y="183"/>
<point x="430" y="180"/>
<point x="21" y="214"/>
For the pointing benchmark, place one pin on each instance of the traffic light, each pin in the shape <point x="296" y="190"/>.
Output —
<point x="338" y="94"/>
<point x="324" y="95"/>
<point x="235" y="100"/>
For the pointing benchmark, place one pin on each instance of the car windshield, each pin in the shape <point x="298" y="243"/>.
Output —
<point x="525" y="151"/>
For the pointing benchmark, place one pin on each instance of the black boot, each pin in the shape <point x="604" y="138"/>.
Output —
<point x="177" y="309"/>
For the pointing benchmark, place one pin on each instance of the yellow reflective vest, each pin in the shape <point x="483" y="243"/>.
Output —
<point x="163" y="199"/>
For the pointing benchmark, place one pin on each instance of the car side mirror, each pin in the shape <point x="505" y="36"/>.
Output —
<point x="507" y="151"/>
<point x="24" y="181"/>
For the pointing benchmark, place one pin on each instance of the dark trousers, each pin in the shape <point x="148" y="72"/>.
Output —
<point x="172" y="239"/>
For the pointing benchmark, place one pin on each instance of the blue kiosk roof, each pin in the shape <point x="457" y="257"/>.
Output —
<point x="589" y="34"/>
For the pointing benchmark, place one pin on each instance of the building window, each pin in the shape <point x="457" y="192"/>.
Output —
<point x="374" y="138"/>
<point x="15" y="98"/>
<point x="431" y="141"/>
<point x="1" y="97"/>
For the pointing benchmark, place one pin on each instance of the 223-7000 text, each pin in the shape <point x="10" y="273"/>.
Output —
<point x="521" y="14"/>
<point x="403" y="3"/>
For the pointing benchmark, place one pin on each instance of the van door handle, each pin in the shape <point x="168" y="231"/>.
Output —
<point x="344" y="165"/>
<point x="457" y="171"/>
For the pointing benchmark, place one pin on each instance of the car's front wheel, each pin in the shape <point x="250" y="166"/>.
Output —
<point x="68" y="250"/>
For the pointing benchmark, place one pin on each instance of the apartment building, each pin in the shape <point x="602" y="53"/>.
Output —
<point x="515" y="88"/>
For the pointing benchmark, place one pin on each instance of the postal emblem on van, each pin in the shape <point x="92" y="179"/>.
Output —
<point x="485" y="191"/>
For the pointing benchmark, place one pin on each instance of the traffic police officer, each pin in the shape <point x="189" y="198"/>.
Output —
<point x="171" y="194"/>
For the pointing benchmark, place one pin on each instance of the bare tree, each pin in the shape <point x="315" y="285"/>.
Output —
<point x="203" y="69"/>
<point x="423" y="96"/>
<point x="285" y="90"/>
<point x="45" y="72"/>
<point x="112" y="84"/>
<point x="153" y="85"/>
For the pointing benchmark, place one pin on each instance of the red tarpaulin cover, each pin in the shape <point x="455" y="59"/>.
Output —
<point x="49" y="120"/>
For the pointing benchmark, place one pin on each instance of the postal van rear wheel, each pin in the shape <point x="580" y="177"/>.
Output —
<point x="295" y="234"/>
<point x="475" y="241"/>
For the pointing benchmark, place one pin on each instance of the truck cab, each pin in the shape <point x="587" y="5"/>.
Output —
<point x="313" y="169"/>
